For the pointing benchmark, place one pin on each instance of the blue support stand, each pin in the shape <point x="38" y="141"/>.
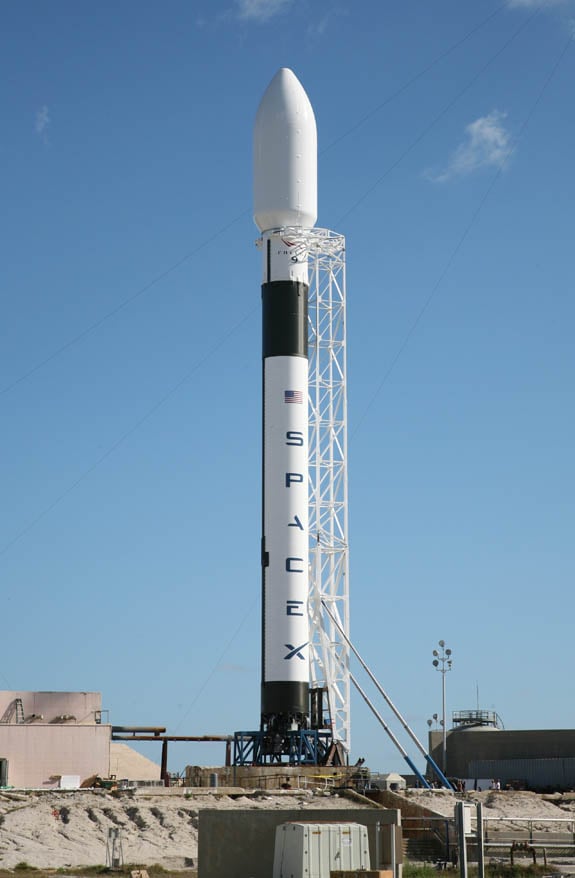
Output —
<point x="301" y="747"/>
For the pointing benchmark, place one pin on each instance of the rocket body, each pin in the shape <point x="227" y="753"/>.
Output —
<point x="285" y="200"/>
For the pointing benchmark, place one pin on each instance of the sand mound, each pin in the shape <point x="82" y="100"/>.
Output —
<point x="128" y="763"/>
<point x="508" y="803"/>
<point x="61" y="829"/>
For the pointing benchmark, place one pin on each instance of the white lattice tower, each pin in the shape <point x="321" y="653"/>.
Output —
<point x="328" y="514"/>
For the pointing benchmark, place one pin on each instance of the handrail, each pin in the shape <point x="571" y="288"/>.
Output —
<point x="529" y="819"/>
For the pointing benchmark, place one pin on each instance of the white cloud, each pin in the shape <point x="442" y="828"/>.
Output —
<point x="532" y="4"/>
<point x="261" y="10"/>
<point x="318" y="28"/>
<point x="486" y="144"/>
<point x="42" y="121"/>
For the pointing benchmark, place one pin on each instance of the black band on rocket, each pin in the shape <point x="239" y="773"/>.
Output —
<point x="285" y="316"/>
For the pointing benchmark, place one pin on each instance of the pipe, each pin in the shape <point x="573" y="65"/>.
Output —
<point x="389" y="732"/>
<point x="390" y="703"/>
<point x="164" y="765"/>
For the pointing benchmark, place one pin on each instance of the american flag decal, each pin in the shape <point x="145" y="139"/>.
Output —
<point x="293" y="396"/>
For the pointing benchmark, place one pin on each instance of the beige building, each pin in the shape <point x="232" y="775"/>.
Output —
<point x="52" y="739"/>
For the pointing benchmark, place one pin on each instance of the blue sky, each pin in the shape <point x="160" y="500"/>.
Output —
<point x="130" y="354"/>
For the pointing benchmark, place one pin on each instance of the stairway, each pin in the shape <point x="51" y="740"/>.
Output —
<point x="423" y="849"/>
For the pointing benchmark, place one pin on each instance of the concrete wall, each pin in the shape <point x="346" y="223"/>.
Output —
<point x="409" y="809"/>
<point x="39" y="754"/>
<point x="532" y="774"/>
<point x="499" y="745"/>
<point x="240" y="844"/>
<point x="52" y="705"/>
<point x="391" y="781"/>
<point x="58" y="736"/>
<point x="270" y="777"/>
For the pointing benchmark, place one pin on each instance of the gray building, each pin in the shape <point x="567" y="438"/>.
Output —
<point x="478" y="748"/>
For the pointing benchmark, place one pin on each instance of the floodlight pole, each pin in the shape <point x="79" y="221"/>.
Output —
<point x="442" y="663"/>
<point x="444" y="742"/>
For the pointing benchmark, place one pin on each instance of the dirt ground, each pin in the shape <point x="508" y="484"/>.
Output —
<point x="504" y="803"/>
<point x="60" y="829"/>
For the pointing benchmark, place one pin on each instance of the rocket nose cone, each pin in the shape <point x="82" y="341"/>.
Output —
<point x="284" y="83"/>
<point x="285" y="73"/>
<point x="285" y="155"/>
<point x="285" y="98"/>
<point x="278" y="81"/>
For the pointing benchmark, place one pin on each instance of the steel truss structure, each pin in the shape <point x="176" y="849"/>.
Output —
<point x="302" y="747"/>
<point x="328" y="491"/>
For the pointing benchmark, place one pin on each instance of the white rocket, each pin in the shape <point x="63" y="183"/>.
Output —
<point x="285" y="202"/>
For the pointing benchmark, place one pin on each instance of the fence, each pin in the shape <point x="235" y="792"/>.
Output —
<point x="552" y="833"/>
<point x="434" y="839"/>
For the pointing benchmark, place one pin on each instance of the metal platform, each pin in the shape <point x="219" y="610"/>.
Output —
<point x="301" y="747"/>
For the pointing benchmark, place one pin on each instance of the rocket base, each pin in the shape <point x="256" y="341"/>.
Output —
<point x="285" y="705"/>
<point x="300" y="747"/>
<point x="297" y="738"/>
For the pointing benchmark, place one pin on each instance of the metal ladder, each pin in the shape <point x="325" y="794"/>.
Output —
<point x="14" y="712"/>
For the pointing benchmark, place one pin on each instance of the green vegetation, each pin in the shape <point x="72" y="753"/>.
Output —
<point x="155" y="871"/>
<point x="506" y="870"/>
<point x="492" y="870"/>
<point x="427" y="871"/>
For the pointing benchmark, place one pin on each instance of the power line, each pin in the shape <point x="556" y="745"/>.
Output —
<point x="224" y="338"/>
<point x="140" y="292"/>
<point x="93" y="326"/>
<point x="464" y="235"/>
<point x="215" y="667"/>
<point x="415" y="77"/>
<point x="164" y="399"/>
<point x="439" y="116"/>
